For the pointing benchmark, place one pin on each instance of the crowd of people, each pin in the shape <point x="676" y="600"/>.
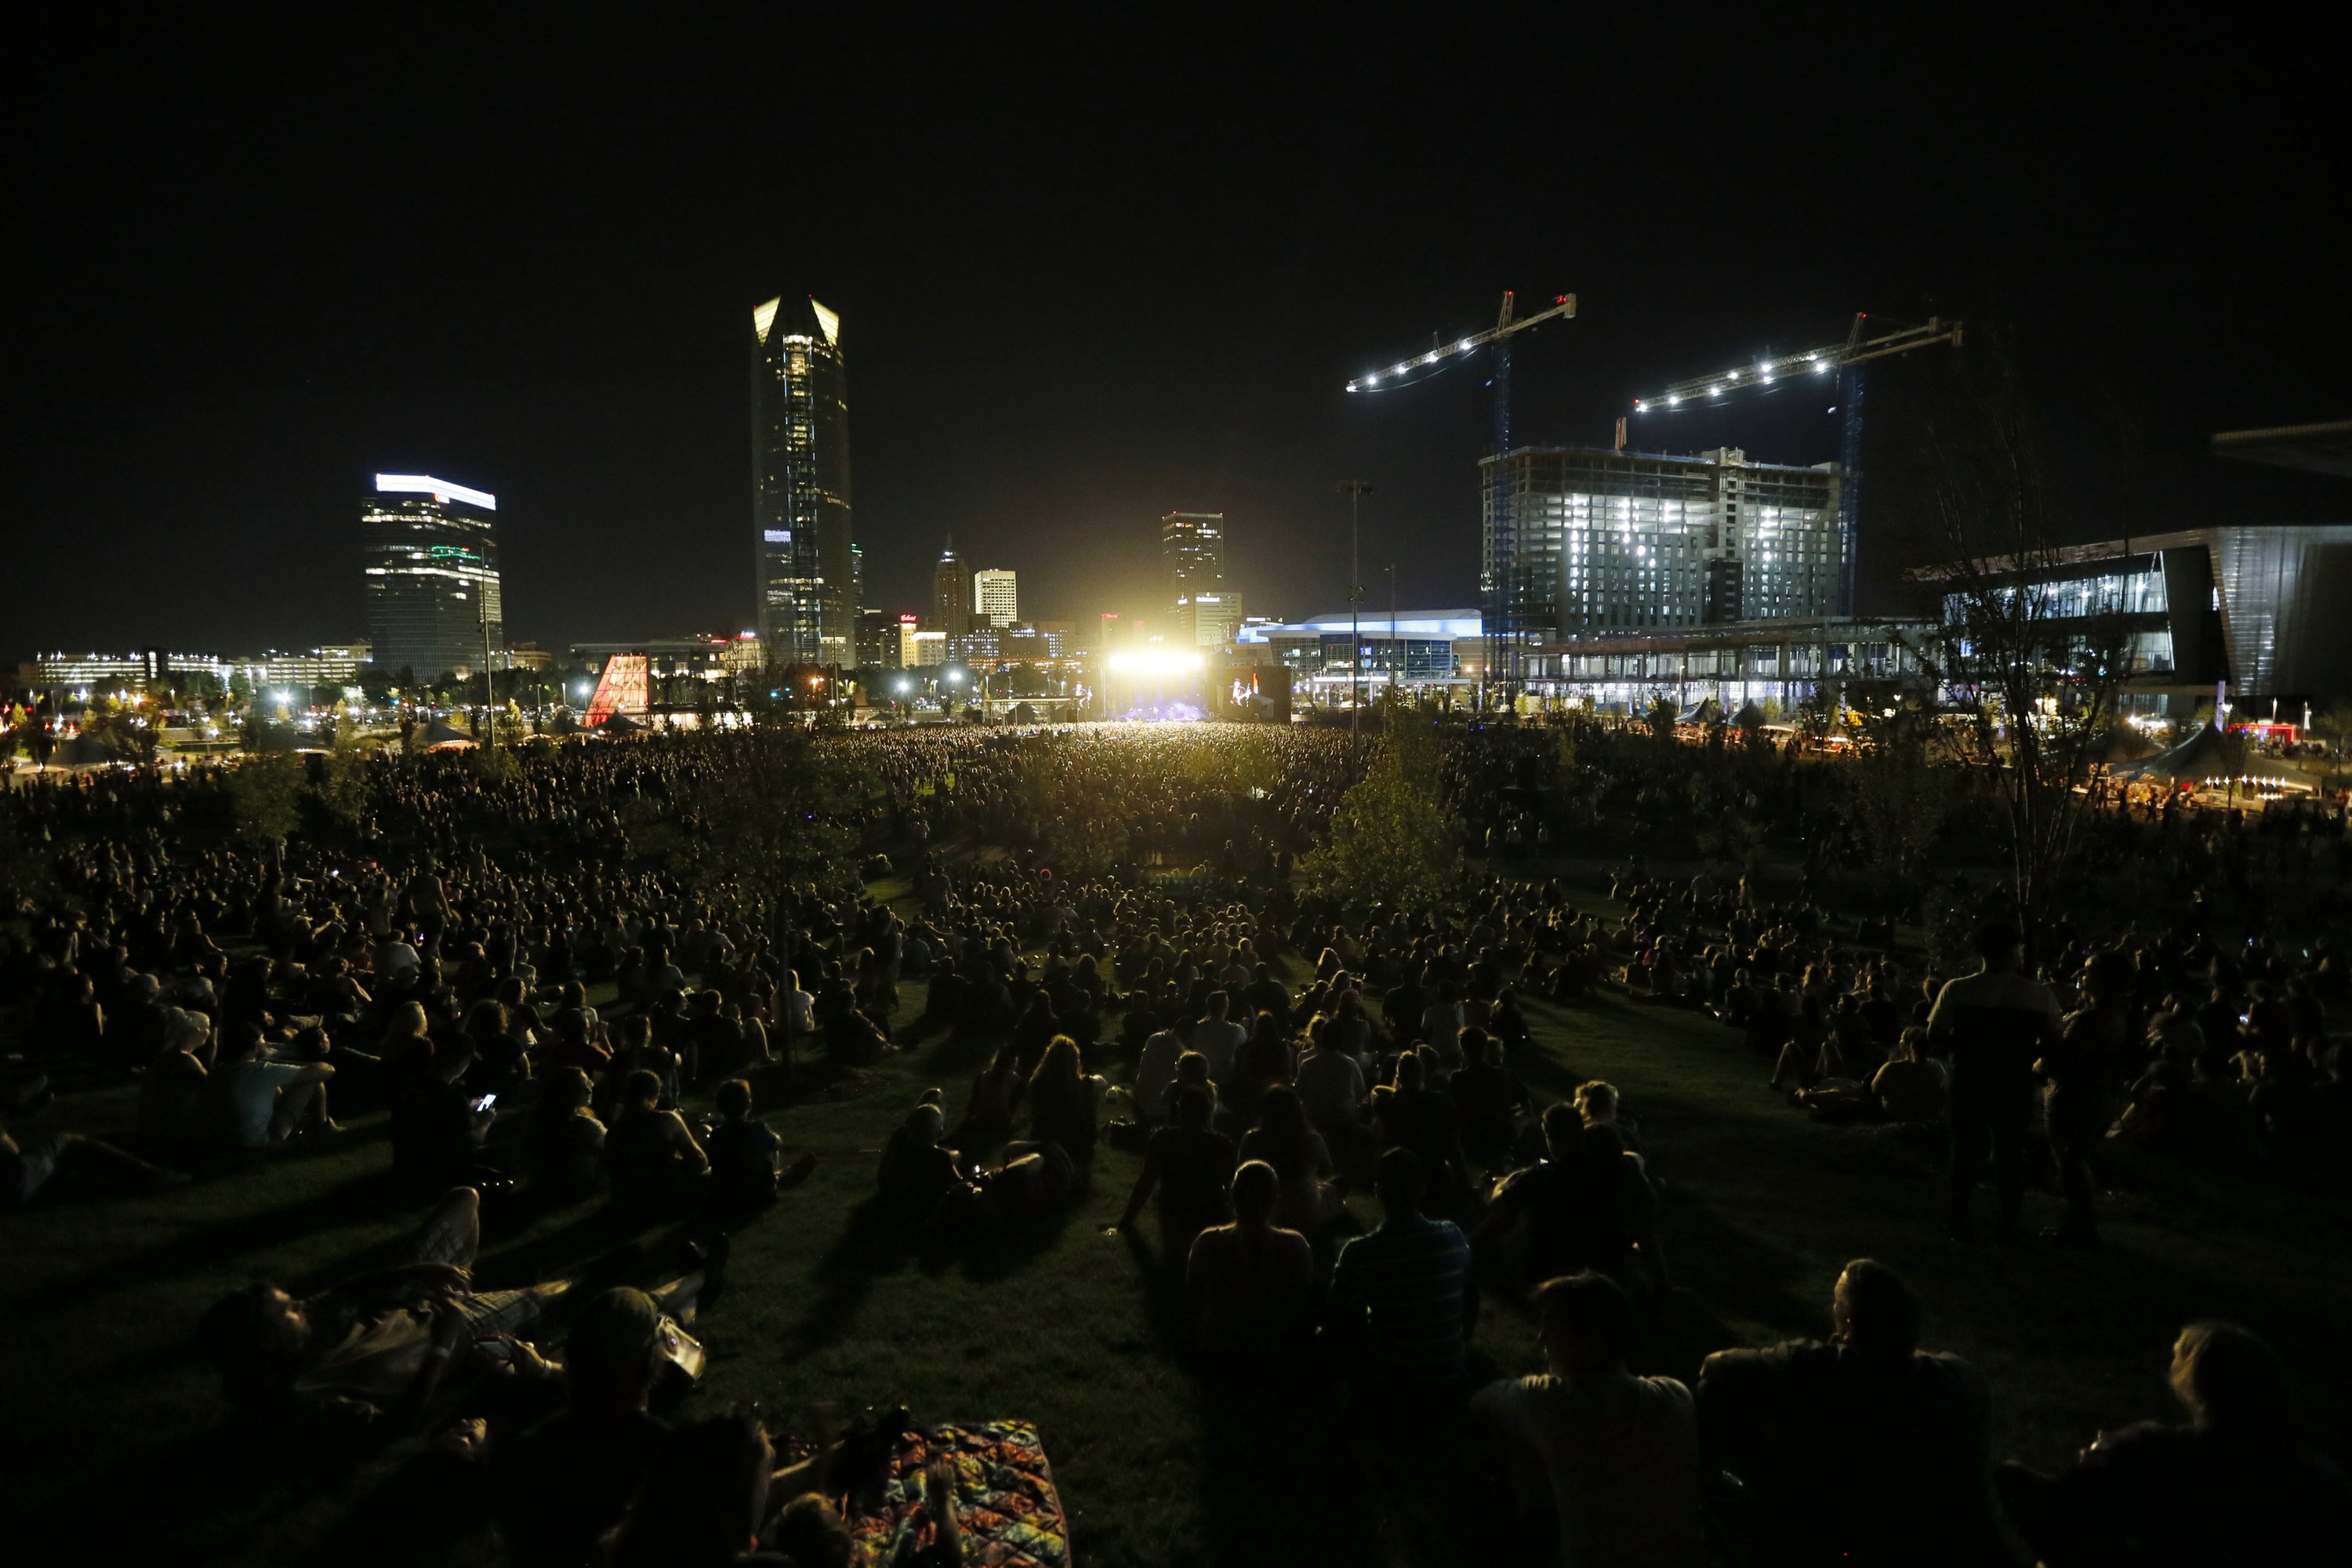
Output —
<point x="521" y="969"/>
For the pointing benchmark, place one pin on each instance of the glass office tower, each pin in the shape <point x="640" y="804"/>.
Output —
<point x="802" y="539"/>
<point x="432" y="563"/>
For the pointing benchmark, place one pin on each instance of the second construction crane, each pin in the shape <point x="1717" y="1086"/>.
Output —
<point x="1846" y="360"/>
<point x="1504" y="596"/>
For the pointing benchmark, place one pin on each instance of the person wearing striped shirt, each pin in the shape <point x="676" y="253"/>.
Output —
<point x="1406" y="1286"/>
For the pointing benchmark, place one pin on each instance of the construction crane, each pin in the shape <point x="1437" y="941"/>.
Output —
<point x="1504" y="595"/>
<point x="1846" y="360"/>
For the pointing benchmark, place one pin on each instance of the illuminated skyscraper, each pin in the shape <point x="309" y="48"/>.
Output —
<point x="951" y="593"/>
<point x="1193" y="565"/>
<point x="802" y="536"/>
<point x="997" y="596"/>
<point x="431" y="566"/>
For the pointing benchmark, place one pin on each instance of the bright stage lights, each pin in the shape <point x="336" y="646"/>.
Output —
<point x="1157" y="661"/>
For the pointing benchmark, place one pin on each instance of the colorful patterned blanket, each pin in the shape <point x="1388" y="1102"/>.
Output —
<point x="1007" y="1511"/>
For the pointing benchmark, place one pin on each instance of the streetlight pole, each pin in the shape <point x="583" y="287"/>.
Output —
<point x="1396" y="658"/>
<point x="1355" y="490"/>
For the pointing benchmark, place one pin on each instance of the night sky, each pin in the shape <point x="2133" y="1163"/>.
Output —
<point x="1090" y="269"/>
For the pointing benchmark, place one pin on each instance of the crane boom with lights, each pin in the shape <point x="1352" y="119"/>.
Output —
<point x="1504" y="595"/>
<point x="1847" y="360"/>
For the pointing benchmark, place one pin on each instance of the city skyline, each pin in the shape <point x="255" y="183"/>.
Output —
<point x="1066" y="380"/>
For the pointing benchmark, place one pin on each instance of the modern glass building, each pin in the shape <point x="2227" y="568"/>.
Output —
<point x="802" y="536"/>
<point x="1419" y="648"/>
<point x="431" y="559"/>
<point x="2259" y="605"/>
<point x="1611" y="541"/>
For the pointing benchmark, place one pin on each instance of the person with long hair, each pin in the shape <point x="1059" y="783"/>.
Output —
<point x="1064" y="1101"/>
<point x="1299" y="1155"/>
<point x="1252" y="1282"/>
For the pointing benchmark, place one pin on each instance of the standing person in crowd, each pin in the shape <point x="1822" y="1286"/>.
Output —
<point x="2085" y="1076"/>
<point x="1995" y="1024"/>
<point x="1611" y="1458"/>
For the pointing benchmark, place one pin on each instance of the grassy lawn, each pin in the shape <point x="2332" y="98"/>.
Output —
<point x="111" y="1424"/>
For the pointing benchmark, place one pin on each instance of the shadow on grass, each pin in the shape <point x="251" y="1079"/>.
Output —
<point x="362" y="1197"/>
<point x="879" y="1238"/>
<point x="417" y="1516"/>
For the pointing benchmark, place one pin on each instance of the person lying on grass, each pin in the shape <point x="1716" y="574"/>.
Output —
<point x="370" y="1353"/>
<point x="68" y="1162"/>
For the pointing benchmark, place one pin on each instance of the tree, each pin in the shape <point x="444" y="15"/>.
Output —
<point x="767" y="823"/>
<point x="343" y="786"/>
<point x="2035" y="682"/>
<point x="1661" y="719"/>
<point x="1898" y="798"/>
<point x="266" y="795"/>
<point x="1392" y="837"/>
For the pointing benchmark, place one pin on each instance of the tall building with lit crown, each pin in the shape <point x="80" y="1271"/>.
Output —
<point x="431" y="560"/>
<point x="951" y="592"/>
<point x="997" y="596"/>
<point x="1618" y="541"/>
<point x="1192" y="567"/>
<point x="801" y="535"/>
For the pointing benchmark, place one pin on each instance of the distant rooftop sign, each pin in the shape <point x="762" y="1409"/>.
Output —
<point x="439" y="489"/>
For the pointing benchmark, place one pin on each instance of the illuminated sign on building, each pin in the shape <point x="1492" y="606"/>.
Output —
<point x="441" y="490"/>
<point x="622" y="689"/>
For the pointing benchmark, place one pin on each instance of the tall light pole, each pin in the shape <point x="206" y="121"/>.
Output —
<point x="1355" y="490"/>
<point x="1396" y="658"/>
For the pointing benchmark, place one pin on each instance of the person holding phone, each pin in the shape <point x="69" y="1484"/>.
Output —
<point x="439" y="1122"/>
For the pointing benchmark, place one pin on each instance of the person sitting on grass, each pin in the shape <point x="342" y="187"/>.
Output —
<point x="562" y="1483"/>
<point x="65" y="1163"/>
<point x="916" y="1174"/>
<point x="1562" y="1215"/>
<point x="1410" y="1115"/>
<point x="656" y="1162"/>
<point x="368" y="1355"/>
<point x="1064" y="1101"/>
<point x="1034" y="1183"/>
<point x="2237" y="1484"/>
<point x="1909" y="1086"/>
<point x="1402" y="1305"/>
<point x="1331" y="1082"/>
<point x="1489" y="1100"/>
<point x="1912" y="1427"/>
<point x="1299" y="1157"/>
<point x="714" y="1498"/>
<point x="1611" y="1458"/>
<point x="439" y="1122"/>
<point x="1251" y="1283"/>
<point x="1810" y="1055"/>
<point x="260" y="1102"/>
<point x="744" y="1156"/>
<point x="564" y="1142"/>
<point x="1186" y="1165"/>
<point x="996" y="1089"/>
